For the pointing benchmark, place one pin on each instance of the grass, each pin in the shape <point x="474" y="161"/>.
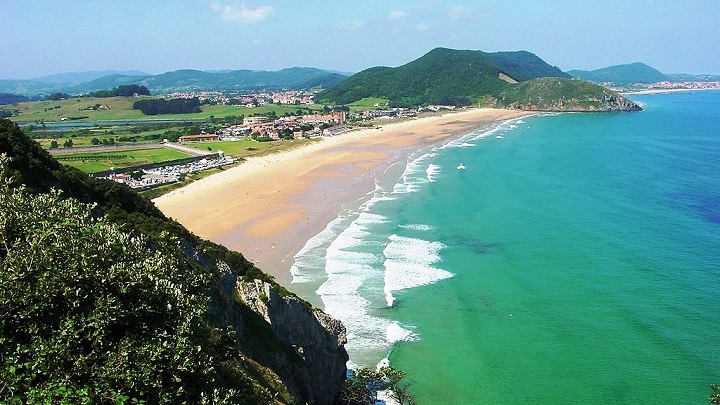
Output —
<point x="369" y="102"/>
<point x="247" y="148"/>
<point x="100" y="161"/>
<point x="120" y="108"/>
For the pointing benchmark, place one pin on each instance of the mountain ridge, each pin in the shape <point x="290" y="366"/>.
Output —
<point x="441" y="76"/>
<point x="465" y="77"/>
<point x="636" y="72"/>
<point x="294" y="78"/>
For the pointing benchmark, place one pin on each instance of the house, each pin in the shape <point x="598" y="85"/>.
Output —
<point x="337" y="129"/>
<point x="335" y="116"/>
<point x="249" y="121"/>
<point x="198" y="138"/>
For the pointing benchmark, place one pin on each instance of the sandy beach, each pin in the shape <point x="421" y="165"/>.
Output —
<point x="268" y="207"/>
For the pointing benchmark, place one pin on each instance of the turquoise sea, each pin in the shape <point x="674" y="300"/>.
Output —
<point x="575" y="259"/>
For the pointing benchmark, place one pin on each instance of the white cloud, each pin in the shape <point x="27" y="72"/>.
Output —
<point x="396" y="15"/>
<point x="459" y="12"/>
<point x="350" y="25"/>
<point x="242" y="13"/>
<point x="423" y="26"/>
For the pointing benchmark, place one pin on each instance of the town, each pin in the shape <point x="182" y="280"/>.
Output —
<point x="262" y="128"/>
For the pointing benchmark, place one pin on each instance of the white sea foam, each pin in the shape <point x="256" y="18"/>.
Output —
<point x="396" y="333"/>
<point x="409" y="263"/>
<point x="418" y="227"/>
<point x="431" y="171"/>
<point x="312" y="255"/>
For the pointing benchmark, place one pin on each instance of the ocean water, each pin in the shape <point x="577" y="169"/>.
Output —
<point x="571" y="259"/>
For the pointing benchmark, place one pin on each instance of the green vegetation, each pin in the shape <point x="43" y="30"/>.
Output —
<point x="165" y="106"/>
<point x="100" y="315"/>
<point x="9" y="98"/>
<point x="120" y="108"/>
<point x="622" y="74"/>
<point x="247" y="148"/>
<point x="358" y="388"/>
<point x="100" y="161"/>
<point x="442" y="76"/>
<point x="507" y="79"/>
<point x="125" y="90"/>
<point x="715" y="396"/>
<point x="185" y="80"/>
<point x="368" y="103"/>
<point x="555" y="94"/>
<point x="105" y="300"/>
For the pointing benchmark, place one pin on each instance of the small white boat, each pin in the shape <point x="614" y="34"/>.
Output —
<point x="461" y="166"/>
<point x="499" y="137"/>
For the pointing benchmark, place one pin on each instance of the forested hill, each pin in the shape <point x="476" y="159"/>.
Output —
<point x="297" y="78"/>
<point x="502" y="79"/>
<point x="622" y="74"/>
<point x="105" y="300"/>
<point x="291" y="79"/>
<point x="442" y="76"/>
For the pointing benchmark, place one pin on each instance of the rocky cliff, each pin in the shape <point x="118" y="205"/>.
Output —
<point x="316" y="338"/>
<point x="222" y="331"/>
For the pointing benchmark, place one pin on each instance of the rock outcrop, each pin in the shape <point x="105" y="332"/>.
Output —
<point x="317" y="339"/>
<point x="564" y="95"/>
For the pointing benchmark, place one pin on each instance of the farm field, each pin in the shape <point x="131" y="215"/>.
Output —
<point x="120" y="108"/>
<point x="246" y="148"/>
<point x="99" y="161"/>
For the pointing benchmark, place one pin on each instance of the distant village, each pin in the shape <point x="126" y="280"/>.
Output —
<point x="665" y="86"/>
<point x="329" y="123"/>
<point x="261" y="128"/>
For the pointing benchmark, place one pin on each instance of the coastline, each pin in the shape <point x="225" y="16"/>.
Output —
<point x="268" y="207"/>
<point x="664" y="91"/>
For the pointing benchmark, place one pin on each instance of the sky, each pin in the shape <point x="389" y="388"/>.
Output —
<point x="43" y="37"/>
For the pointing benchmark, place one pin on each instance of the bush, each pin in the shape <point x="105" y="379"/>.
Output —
<point x="94" y="314"/>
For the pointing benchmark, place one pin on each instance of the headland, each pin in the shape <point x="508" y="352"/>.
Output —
<point x="268" y="207"/>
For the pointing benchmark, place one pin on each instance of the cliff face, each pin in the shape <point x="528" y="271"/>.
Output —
<point x="242" y="338"/>
<point x="317" y="339"/>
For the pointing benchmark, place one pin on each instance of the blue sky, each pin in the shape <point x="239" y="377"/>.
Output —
<point x="42" y="37"/>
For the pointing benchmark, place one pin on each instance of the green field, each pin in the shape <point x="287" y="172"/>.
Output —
<point x="367" y="103"/>
<point x="120" y="108"/>
<point x="247" y="148"/>
<point x="100" y="161"/>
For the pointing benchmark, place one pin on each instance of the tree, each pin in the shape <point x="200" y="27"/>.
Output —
<point x="58" y="96"/>
<point x="54" y="143"/>
<point x="68" y="143"/>
<point x="95" y="141"/>
<point x="94" y="314"/>
<point x="715" y="396"/>
<point x="362" y="386"/>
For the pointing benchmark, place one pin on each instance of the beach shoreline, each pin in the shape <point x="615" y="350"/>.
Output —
<point x="665" y="91"/>
<point x="268" y="207"/>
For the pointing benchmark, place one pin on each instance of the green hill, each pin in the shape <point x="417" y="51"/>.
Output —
<point x="105" y="300"/>
<point x="296" y="78"/>
<point x="104" y="83"/>
<point x="29" y="87"/>
<point x="557" y="94"/>
<point x="622" y="74"/>
<point x="442" y="76"/>
<point x="241" y="80"/>
<point x="504" y="79"/>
